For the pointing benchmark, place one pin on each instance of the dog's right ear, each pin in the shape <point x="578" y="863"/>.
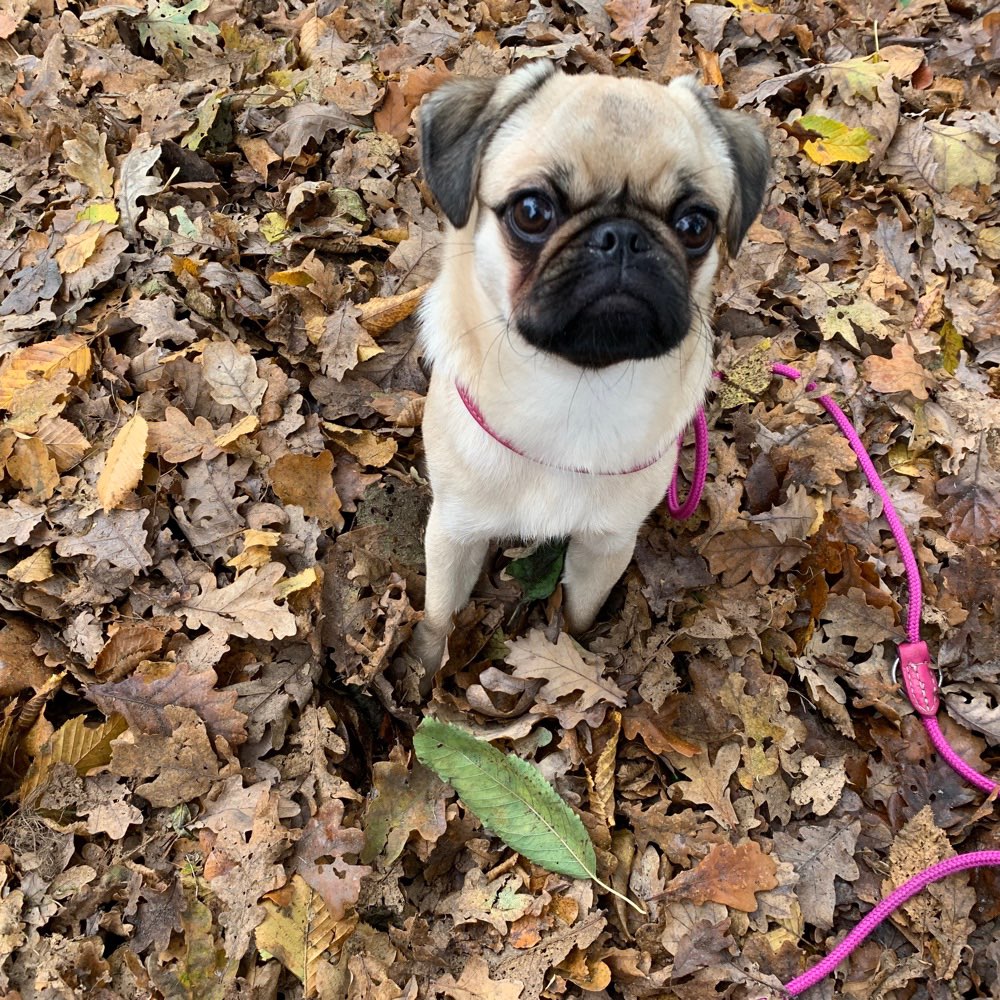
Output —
<point x="456" y="122"/>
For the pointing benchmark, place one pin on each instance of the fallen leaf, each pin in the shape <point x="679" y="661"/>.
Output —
<point x="243" y="608"/>
<point x="123" y="464"/>
<point x="566" y="669"/>
<point x="839" y="142"/>
<point x="899" y="373"/>
<point x="232" y="376"/>
<point x="729" y="875"/>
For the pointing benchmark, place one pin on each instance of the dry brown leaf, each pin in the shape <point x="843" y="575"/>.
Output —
<point x="379" y="315"/>
<point x="85" y="747"/>
<point x="24" y="366"/>
<point x="123" y="464"/>
<point x="232" y="376"/>
<point x="729" y="875"/>
<point x="632" y="18"/>
<point x="78" y="249"/>
<point x="243" y="608"/>
<point x="900" y="373"/>
<point x="126" y="649"/>
<point x="566" y="669"/>
<point x="143" y="698"/>
<point x="88" y="161"/>
<point x="33" y="568"/>
<point x="307" y="480"/>
<point x="475" y="984"/>
<point x="34" y="468"/>
<point x="972" y="499"/>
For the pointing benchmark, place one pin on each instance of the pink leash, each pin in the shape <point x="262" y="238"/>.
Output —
<point x="918" y="679"/>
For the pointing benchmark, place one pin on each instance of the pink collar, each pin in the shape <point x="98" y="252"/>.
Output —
<point x="477" y="414"/>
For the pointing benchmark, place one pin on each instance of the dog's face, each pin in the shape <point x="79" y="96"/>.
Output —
<point x="596" y="206"/>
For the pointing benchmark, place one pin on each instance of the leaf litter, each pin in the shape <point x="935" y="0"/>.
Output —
<point x="212" y="239"/>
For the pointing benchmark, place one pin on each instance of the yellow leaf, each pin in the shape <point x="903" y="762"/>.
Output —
<point x="839" y="143"/>
<point x="381" y="314"/>
<point x="100" y="211"/>
<point x="301" y="581"/>
<point x="364" y="445"/>
<point x="77" y="744"/>
<point x="87" y="161"/>
<point x="861" y="75"/>
<point x="123" y="466"/>
<point x="25" y="366"/>
<point x="298" y="929"/>
<point x="295" y="277"/>
<point x="966" y="159"/>
<point x="78" y="250"/>
<point x="243" y="427"/>
<point x="749" y="7"/>
<point x="989" y="242"/>
<point x="33" y="569"/>
<point x="274" y="227"/>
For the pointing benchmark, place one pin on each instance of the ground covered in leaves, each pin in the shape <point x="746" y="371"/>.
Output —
<point x="212" y="234"/>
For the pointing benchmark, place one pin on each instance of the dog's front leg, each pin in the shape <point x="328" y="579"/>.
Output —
<point x="593" y="565"/>
<point x="453" y="565"/>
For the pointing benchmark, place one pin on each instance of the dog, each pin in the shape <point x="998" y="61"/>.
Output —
<point x="568" y="330"/>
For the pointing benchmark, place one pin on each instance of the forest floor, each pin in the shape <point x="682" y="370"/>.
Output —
<point x="212" y="234"/>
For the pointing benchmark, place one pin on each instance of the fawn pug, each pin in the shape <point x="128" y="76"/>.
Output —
<point x="569" y="327"/>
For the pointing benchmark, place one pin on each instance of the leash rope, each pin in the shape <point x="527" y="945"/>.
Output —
<point x="914" y="658"/>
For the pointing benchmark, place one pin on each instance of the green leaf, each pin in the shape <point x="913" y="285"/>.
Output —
<point x="511" y="798"/>
<point x="168" y="28"/>
<point x="539" y="572"/>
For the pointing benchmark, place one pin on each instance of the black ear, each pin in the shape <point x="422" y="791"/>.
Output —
<point x="456" y="122"/>
<point x="751" y="162"/>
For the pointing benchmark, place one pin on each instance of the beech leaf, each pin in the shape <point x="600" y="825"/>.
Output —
<point x="123" y="466"/>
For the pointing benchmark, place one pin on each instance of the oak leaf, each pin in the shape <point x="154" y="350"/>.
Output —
<point x="972" y="499"/>
<point x="632" y="18"/>
<point x="819" y="855"/>
<point x="728" y="875"/>
<point x="181" y="763"/>
<point x="135" y="182"/>
<point x="899" y="373"/>
<point x="403" y="802"/>
<point x="143" y="698"/>
<point x="475" y="984"/>
<point x="117" y="537"/>
<point x="307" y="480"/>
<point x="232" y="376"/>
<point x="245" y="607"/>
<point x="319" y="858"/>
<point x="88" y="161"/>
<point x="565" y="667"/>
<point x="17" y="520"/>
<point x="123" y="464"/>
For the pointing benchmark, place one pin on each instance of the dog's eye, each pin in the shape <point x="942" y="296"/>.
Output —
<point x="531" y="216"/>
<point x="696" y="231"/>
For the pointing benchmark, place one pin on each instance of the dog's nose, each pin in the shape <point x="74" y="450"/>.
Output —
<point x="619" y="238"/>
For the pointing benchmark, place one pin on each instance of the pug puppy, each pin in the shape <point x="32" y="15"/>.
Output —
<point x="569" y="327"/>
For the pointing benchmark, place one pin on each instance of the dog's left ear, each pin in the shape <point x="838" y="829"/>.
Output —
<point x="751" y="158"/>
<point x="751" y="162"/>
<point x="456" y="122"/>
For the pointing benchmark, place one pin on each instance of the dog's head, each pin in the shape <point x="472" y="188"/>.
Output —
<point x="596" y="206"/>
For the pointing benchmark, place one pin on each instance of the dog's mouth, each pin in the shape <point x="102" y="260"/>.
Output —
<point x="600" y="315"/>
<point x="632" y="317"/>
